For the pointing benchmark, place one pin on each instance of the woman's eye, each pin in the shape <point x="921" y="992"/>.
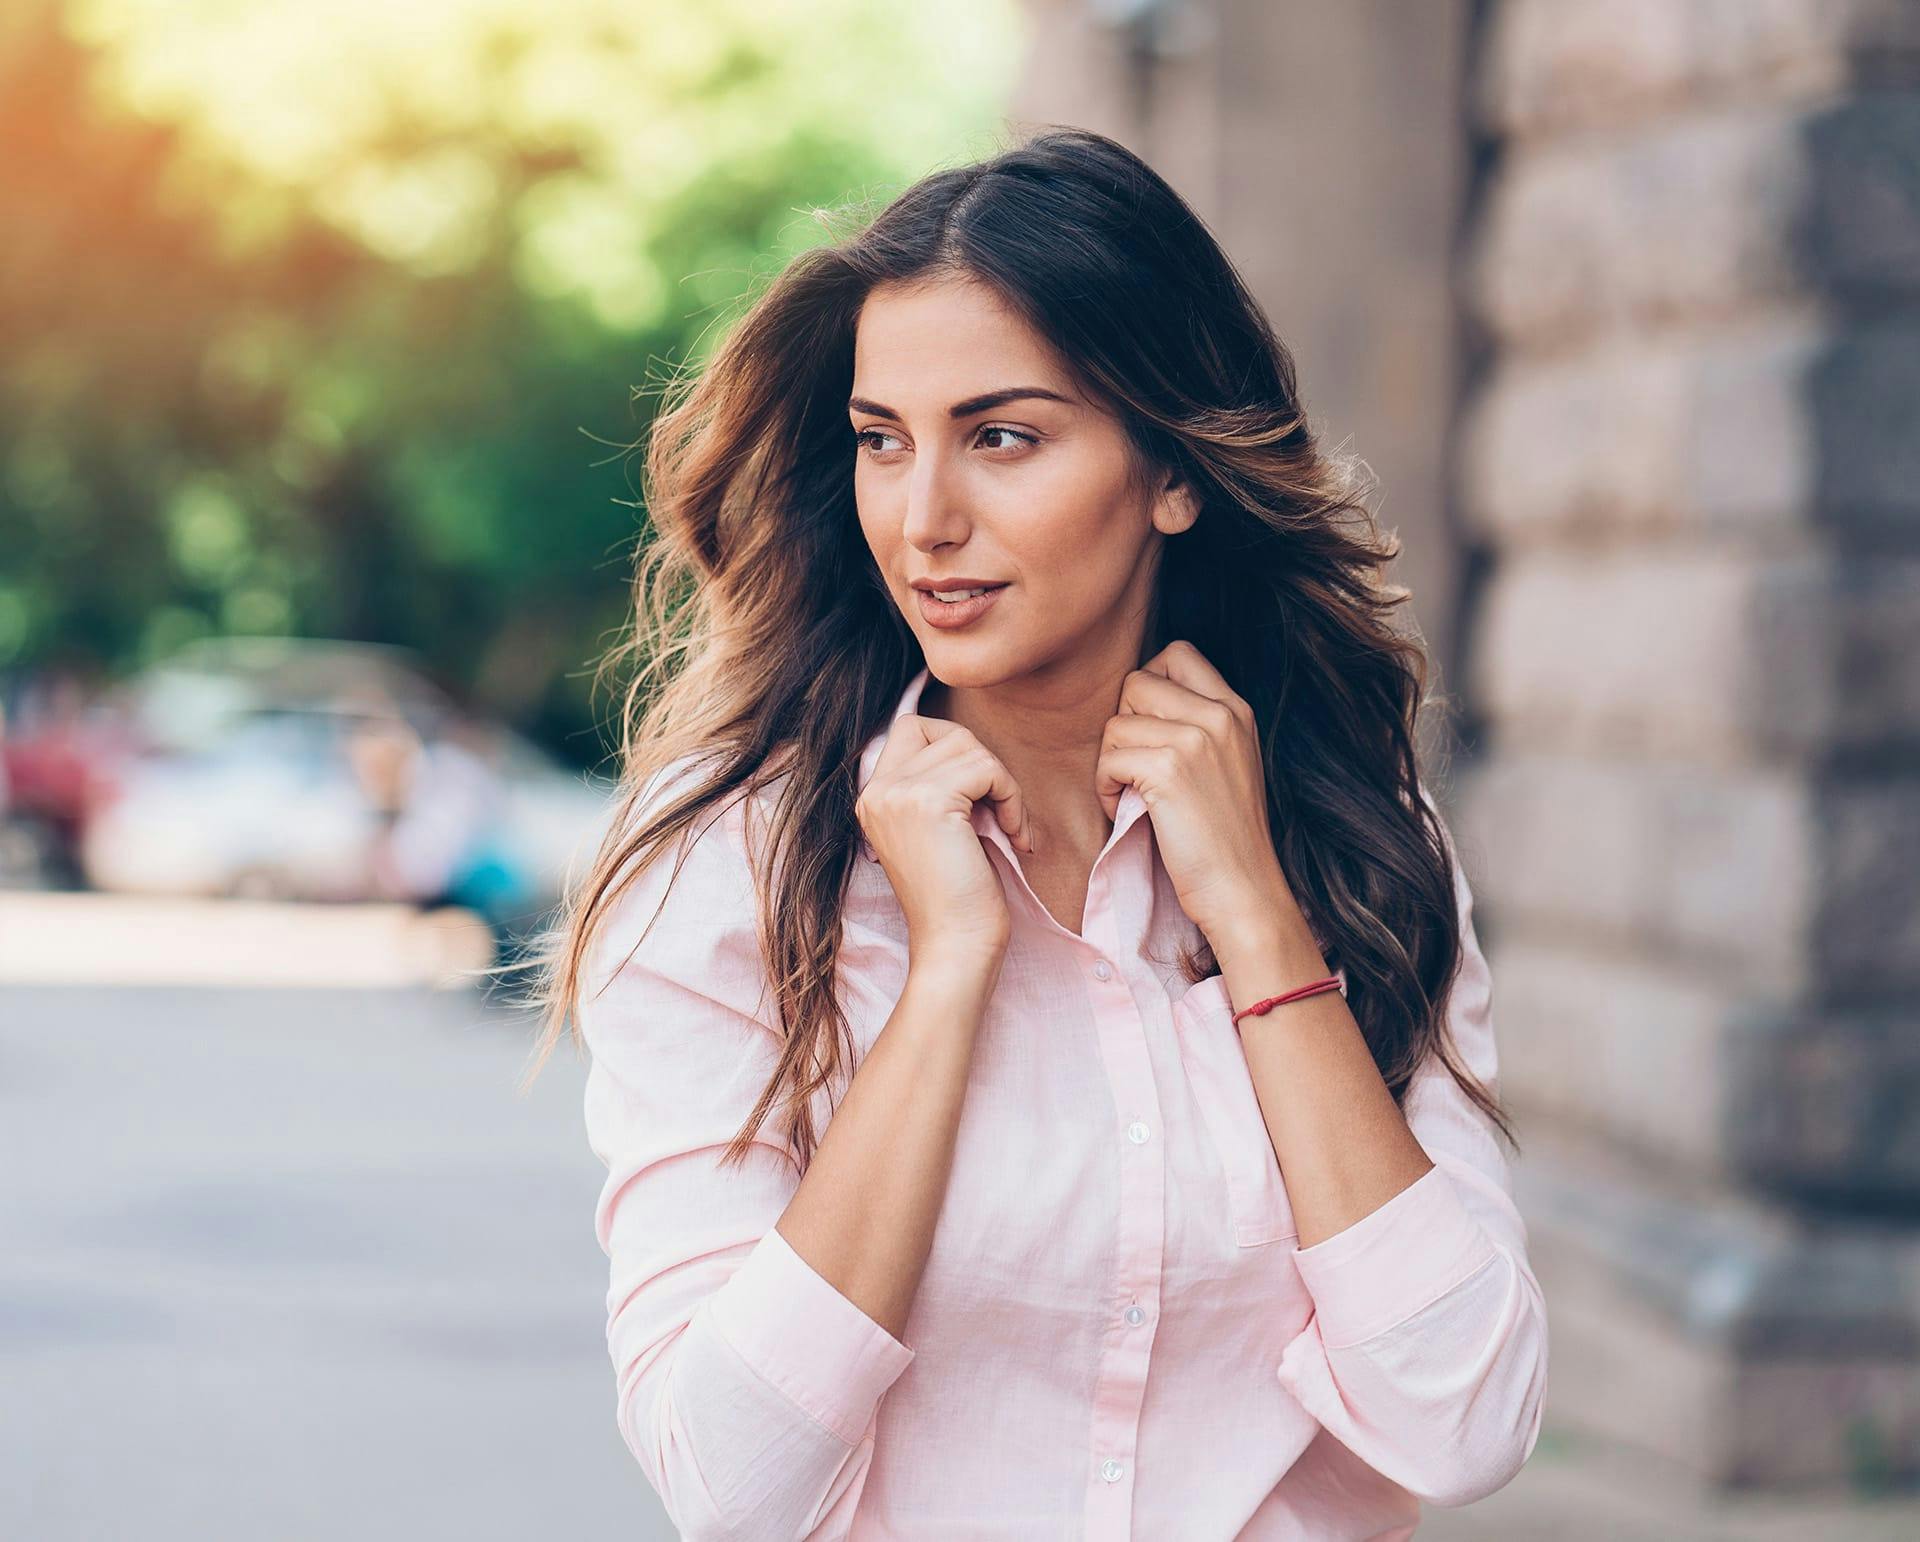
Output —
<point x="1011" y="432"/>
<point x="863" y="438"/>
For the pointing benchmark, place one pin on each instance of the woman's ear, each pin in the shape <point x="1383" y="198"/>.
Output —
<point x="1177" y="507"/>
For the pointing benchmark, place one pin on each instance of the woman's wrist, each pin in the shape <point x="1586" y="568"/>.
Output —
<point x="946" y="994"/>
<point x="958" y="966"/>
<point x="1269" y="952"/>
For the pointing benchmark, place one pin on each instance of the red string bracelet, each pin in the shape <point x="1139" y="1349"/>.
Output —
<point x="1331" y="983"/>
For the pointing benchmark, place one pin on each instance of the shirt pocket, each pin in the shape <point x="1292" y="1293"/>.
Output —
<point x="1222" y="1087"/>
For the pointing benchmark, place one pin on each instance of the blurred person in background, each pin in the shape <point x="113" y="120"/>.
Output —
<point x="436" y="799"/>
<point x="384" y="750"/>
<point x="443" y="844"/>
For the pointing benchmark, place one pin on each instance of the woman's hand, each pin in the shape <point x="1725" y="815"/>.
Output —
<point x="917" y="813"/>
<point x="1189" y="745"/>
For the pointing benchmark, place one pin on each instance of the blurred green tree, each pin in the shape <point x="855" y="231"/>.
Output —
<point x="336" y="321"/>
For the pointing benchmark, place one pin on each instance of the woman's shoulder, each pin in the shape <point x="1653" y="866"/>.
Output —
<point x="707" y="877"/>
<point x="709" y="855"/>
<point x="706" y="872"/>
<point x="697" y="875"/>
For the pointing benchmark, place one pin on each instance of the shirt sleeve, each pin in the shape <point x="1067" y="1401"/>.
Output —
<point x="1426" y="1353"/>
<point x="747" y="1385"/>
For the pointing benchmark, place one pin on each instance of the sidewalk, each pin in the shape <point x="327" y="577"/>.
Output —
<point x="68" y="938"/>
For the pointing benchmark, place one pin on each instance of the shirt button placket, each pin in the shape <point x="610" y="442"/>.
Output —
<point x="1123" y="1370"/>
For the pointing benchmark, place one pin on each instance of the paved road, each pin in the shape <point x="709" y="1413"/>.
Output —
<point x="292" y="1264"/>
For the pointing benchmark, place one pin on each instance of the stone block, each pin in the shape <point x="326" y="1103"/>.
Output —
<point x="1619" y="1048"/>
<point x="1868" y="930"/>
<point x="1617" y="653"/>
<point x="1759" y="430"/>
<point x="1824" y="1106"/>
<point x="1862" y="400"/>
<point x="1683" y="652"/>
<point x="1550" y="67"/>
<point x="1833" y="655"/>
<point x="1684" y="434"/>
<point x="1696" y="220"/>
<point x="1711" y="864"/>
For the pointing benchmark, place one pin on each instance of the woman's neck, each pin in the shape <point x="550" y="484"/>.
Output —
<point x="1057" y="786"/>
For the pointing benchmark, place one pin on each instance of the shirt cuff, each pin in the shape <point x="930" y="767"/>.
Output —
<point x="806" y="1339"/>
<point x="1400" y="1257"/>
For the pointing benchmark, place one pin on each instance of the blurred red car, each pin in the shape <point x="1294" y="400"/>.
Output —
<point x="58" y="750"/>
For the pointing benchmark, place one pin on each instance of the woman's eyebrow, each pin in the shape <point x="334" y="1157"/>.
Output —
<point x="985" y="402"/>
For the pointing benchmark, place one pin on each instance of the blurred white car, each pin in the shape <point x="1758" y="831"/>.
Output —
<point x="252" y="779"/>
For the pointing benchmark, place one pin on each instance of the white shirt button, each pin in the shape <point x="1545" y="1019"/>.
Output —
<point x="1135" y="1316"/>
<point x="1111" y="1470"/>
<point x="1103" y="970"/>
<point x="1137" y="1132"/>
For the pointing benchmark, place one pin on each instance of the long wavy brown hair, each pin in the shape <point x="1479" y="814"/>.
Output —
<point x="765" y="641"/>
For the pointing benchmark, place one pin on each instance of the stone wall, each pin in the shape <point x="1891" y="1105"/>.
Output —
<point x="1694" y="465"/>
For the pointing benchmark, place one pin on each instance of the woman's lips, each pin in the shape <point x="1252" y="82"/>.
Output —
<point x="960" y="613"/>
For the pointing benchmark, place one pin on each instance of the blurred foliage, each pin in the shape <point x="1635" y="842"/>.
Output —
<point x="335" y="321"/>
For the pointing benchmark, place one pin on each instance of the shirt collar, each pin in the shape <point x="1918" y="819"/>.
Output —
<point x="1130" y="807"/>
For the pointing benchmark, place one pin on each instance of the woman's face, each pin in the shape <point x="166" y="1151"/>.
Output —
<point x="1028" y="490"/>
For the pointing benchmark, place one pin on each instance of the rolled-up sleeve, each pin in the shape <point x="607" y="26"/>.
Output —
<point x="1426" y="1353"/>
<point x="748" y="1387"/>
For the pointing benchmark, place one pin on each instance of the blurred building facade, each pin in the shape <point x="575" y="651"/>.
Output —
<point x="1619" y="303"/>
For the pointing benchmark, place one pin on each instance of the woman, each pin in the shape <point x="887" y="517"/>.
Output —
<point x="945" y="1189"/>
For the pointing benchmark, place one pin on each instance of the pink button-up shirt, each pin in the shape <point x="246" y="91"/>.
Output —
<point x="1117" y="1334"/>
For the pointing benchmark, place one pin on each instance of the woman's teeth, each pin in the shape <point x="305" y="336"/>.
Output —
<point x="953" y="595"/>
